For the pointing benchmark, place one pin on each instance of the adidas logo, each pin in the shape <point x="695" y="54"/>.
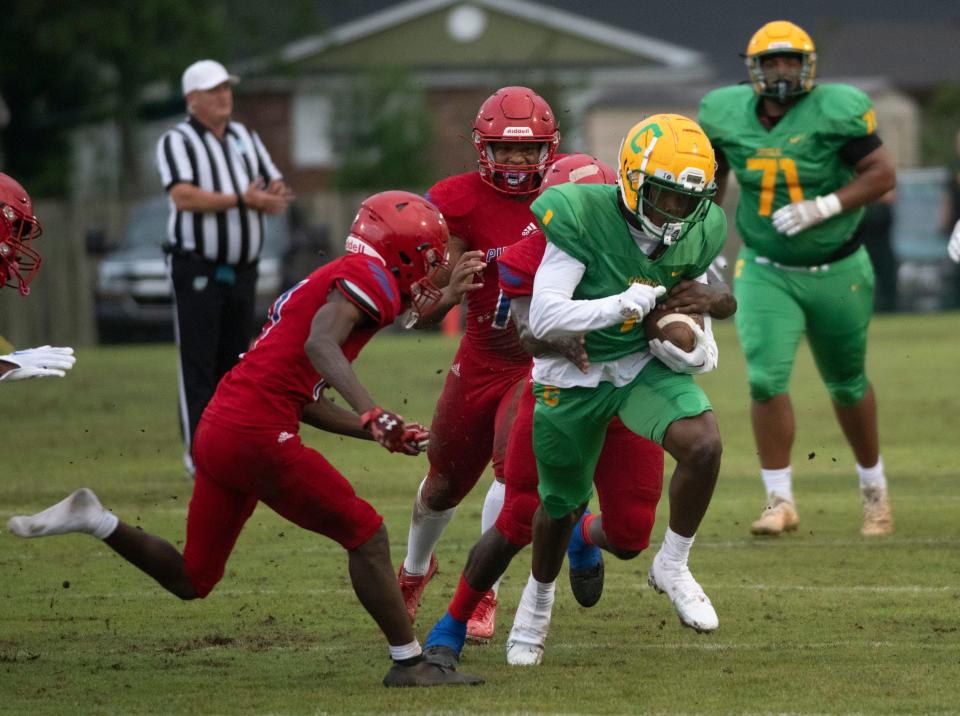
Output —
<point x="530" y="228"/>
<point x="284" y="436"/>
<point x="455" y="369"/>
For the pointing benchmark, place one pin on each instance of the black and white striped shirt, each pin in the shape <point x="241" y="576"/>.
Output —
<point x="191" y="153"/>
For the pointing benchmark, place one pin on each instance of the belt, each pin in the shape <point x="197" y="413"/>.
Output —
<point x="847" y="248"/>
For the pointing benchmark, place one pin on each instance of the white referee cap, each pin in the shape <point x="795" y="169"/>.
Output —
<point x="205" y="75"/>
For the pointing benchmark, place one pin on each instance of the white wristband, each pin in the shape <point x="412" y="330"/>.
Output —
<point x="829" y="205"/>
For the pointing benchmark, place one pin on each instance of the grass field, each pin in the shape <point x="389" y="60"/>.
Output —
<point x="820" y="621"/>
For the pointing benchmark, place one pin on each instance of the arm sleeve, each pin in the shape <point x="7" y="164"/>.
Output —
<point x="553" y="312"/>
<point x="173" y="160"/>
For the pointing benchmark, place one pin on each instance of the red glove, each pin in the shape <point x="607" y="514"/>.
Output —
<point x="416" y="439"/>
<point x="387" y="428"/>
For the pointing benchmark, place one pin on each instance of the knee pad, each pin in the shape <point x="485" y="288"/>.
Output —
<point x="629" y="527"/>
<point x="849" y="391"/>
<point x="515" y="521"/>
<point x="764" y="385"/>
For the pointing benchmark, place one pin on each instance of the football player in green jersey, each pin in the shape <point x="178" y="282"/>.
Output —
<point x="611" y="253"/>
<point x="808" y="159"/>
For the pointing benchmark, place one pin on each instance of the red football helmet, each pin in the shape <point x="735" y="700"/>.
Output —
<point x="409" y="235"/>
<point x="19" y="261"/>
<point x="578" y="169"/>
<point x="515" y="114"/>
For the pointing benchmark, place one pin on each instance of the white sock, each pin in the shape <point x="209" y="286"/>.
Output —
<point x="492" y="504"/>
<point x="778" y="481"/>
<point x="407" y="651"/>
<point x="532" y="621"/>
<point x="426" y="526"/>
<point x="872" y="477"/>
<point x="80" y="512"/>
<point x="676" y="548"/>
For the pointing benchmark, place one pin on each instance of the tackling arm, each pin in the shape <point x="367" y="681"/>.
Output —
<point x="570" y="347"/>
<point x="456" y="281"/>
<point x="329" y="330"/>
<point x="327" y="415"/>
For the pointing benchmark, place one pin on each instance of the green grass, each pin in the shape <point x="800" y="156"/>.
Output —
<point x="819" y="621"/>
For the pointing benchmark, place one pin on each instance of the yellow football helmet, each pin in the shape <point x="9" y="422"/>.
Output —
<point x="665" y="174"/>
<point x="775" y="38"/>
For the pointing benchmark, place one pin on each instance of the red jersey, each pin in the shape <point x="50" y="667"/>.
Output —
<point x="275" y="379"/>
<point x="485" y="220"/>
<point x="519" y="264"/>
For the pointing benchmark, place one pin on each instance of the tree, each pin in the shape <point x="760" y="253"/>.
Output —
<point x="383" y="129"/>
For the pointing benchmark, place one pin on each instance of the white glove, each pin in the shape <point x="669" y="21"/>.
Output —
<point x="634" y="303"/>
<point x="800" y="216"/>
<point x="702" y="359"/>
<point x="42" y="362"/>
<point x="953" y="248"/>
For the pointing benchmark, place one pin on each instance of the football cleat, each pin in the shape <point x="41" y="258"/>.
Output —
<point x="522" y="654"/>
<point x="586" y="567"/>
<point x="692" y="604"/>
<point x="482" y="622"/>
<point x="778" y="516"/>
<point x="877" y="517"/>
<point x="442" y="656"/>
<point x="427" y="673"/>
<point x="412" y="586"/>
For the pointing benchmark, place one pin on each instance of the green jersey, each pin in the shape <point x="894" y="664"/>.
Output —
<point x="797" y="159"/>
<point x="584" y="221"/>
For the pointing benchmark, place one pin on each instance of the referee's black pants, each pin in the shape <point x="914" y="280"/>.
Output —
<point x="213" y="323"/>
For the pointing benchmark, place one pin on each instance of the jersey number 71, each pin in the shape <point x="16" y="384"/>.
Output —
<point x="768" y="182"/>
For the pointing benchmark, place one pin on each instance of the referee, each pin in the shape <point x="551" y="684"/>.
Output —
<point x="221" y="181"/>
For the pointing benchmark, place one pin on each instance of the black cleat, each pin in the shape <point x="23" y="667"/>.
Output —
<point x="442" y="656"/>
<point x="426" y="673"/>
<point x="587" y="584"/>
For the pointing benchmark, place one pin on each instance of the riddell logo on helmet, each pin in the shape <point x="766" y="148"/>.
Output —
<point x="518" y="132"/>
<point x="356" y="245"/>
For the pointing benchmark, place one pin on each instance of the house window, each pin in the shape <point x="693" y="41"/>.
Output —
<point x="313" y="131"/>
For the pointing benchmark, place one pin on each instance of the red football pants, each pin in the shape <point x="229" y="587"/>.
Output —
<point x="473" y="419"/>
<point x="628" y="479"/>
<point x="237" y="469"/>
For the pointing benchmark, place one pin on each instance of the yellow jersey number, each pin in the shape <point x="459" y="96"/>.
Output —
<point x="768" y="182"/>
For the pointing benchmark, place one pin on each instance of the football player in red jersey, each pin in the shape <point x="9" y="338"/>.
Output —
<point x="248" y="449"/>
<point x="19" y="263"/>
<point x="516" y="136"/>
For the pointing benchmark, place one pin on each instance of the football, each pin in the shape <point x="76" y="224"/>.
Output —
<point x="674" y="327"/>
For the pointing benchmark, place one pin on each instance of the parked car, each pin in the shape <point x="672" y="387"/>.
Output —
<point x="926" y="278"/>
<point x="133" y="291"/>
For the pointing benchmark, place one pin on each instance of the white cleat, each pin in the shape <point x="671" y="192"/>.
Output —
<point x="521" y="654"/>
<point x="692" y="604"/>
<point x="877" y="517"/>
<point x="80" y="512"/>
<point x="778" y="516"/>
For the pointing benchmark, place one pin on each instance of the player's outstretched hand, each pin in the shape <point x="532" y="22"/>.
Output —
<point x="702" y="359"/>
<point x="466" y="275"/>
<point x="42" y="362"/>
<point x="953" y="248"/>
<point x="572" y="348"/>
<point x="387" y="428"/>
<point x="416" y="439"/>
<point x="801" y="215"/>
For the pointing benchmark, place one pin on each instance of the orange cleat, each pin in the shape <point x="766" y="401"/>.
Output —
<point x="482" y="622"/>
<point x="412" y="586"/>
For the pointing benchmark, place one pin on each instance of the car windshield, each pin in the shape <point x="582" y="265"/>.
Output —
<point x="147" y="226"/>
